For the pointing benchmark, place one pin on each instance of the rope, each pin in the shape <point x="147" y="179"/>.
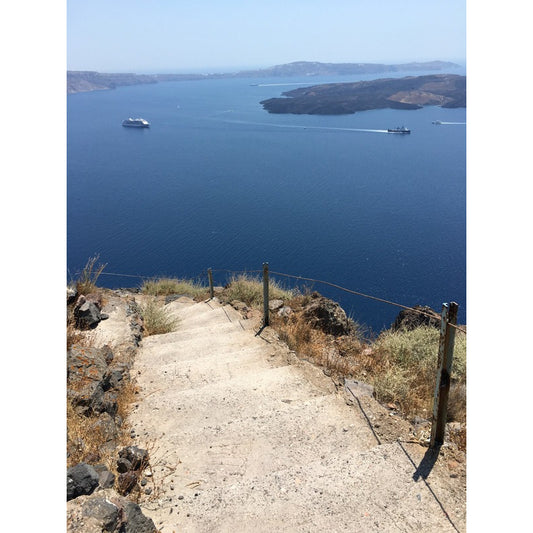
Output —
<point x="123" y="275"/>
<point x="350" y="291"/>
<point x="430" y="315"/>
<point x="236" y="271"/>
<point x="357" y="293"/>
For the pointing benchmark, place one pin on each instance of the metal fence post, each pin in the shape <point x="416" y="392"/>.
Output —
<point x="211" y="289"/>
<point x="265" y="294"/>
<point x="444" y="370"/>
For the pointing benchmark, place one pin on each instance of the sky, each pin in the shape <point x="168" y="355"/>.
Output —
<point x="156" y="36"/>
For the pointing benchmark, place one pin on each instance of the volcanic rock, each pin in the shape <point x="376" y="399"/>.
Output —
<point x="81" y="479"/>
<point x="410" y="319"/>
<point x="328" y="316"/>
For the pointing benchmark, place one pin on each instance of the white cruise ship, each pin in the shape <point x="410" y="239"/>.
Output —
<point x="136" y="123"/>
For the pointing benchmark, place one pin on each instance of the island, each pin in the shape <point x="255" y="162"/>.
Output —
<point x="87" y="80"/>
<point x="411" y="92"/>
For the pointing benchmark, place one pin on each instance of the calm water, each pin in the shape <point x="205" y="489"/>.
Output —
<point x="218" y="182"/>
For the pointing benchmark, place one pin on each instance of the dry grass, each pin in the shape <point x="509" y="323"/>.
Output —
<point x="86" y="438"/>
<point x="156" y="318"/>
<point x="86" y="283"/>
<point x="249" y="290"/>
<point x="87" y="441"/>
<point x="74" y="336"/>
<point x="167" y="286"/>
<point x="401" y="366"/>
<point x="340" y="356"/>
<point x="126" y="396"/>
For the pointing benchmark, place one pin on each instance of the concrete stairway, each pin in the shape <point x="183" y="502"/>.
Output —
<point x="244" y="437"/>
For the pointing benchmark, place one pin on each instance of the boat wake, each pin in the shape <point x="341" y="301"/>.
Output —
<point x="292" y="83"/>
<point x="296" y="126"/>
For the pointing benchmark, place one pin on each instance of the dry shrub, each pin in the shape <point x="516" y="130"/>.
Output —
<point x="167" y="286"/>
<point x="457" y="402"/>
<point x="458" y="437"/>
<point x="249" y="290"/>
<point x="86" y="283"/>
<point x="86" y="439"/>
<point x="126" y="396"/>
<point x="75" y="336"/>
<point x="406" y="370"/>
<point x="336" y="355"/>
<point x="157" y="319"/>
<point x="401" y="365"/>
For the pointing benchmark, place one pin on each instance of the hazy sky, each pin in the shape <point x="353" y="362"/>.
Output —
<point x="207" y="35"/>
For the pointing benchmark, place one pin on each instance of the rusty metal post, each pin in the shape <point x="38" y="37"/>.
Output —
<point x="444" y="370"/>
<point x="265" y="295"/>
<point x="211" y="289"/>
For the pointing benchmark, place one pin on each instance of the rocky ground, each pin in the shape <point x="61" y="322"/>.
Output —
<point x="230" y="430"/>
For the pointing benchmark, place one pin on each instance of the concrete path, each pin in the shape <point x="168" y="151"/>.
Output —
<point x="245" y="437"/>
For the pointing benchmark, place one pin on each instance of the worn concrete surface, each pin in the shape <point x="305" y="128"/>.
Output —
<point x="243" y="437"/>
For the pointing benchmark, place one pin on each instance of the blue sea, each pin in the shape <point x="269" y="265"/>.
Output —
<point x="217" y="182"/>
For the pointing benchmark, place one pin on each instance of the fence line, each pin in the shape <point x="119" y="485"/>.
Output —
<point x="419" y="311"/>
<point x="448" y="320"/>
<point x="303" y="278"/>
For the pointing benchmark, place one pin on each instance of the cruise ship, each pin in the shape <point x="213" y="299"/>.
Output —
<point x="399" y="129"/>
<point x="136" y="123"/>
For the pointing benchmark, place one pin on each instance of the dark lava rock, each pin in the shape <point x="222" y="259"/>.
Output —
<point x="89" y="381"/>
<point x="81" y="479"/>
<point x="106" y="427"/>
<point x="126" y="482"/>
<point x="107" y="351"/>
<point x="123" y="465"/>
<point x="114" y="377"/>
<point x="106" y="478"/>
<point x="410" y="319"/>
<point x="106" y="513"/>
<point x="328" y="316"/>
<point x="136" y="522"/>
<point x="136" y="456"/>
<point x="85" y="371"/>
<point x="87" y="312"/>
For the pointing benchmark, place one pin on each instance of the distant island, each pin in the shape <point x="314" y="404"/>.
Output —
<point x="412" y="92"/>
<point x="82" y="81"/>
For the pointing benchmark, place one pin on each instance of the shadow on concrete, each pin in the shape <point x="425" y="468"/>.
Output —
<point x="426" y="465"/>
<point x="423" y="470"/>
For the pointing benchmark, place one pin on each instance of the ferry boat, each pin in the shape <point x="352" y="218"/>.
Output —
<point x="399" y="129"/>
<point x="136" y="123"/>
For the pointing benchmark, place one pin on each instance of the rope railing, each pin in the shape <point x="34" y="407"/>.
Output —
<point x="303" y="278"/>
<point x="448" y="319"/>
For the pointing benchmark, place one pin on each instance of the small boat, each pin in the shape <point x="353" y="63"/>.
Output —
<point x="136" y="123"/>
<point x="399" y="129"/>
<point x="436" y="122"/>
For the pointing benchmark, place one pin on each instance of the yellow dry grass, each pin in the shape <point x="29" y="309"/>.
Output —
<point x="401" y="366"/>
<point x="157" y="319"/>
<point x="249" y="289"/>
<point x="168" y="286"/>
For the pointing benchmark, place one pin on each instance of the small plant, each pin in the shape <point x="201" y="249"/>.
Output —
<point x="166" y="286"/>
<point x="87" y="437"/>
<point x="89" y="276"/>
<point x="404" y="370"/>
<point x="157" y="319"/>
<point x="336" y="355"/>
<point x="249" y="290"/>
